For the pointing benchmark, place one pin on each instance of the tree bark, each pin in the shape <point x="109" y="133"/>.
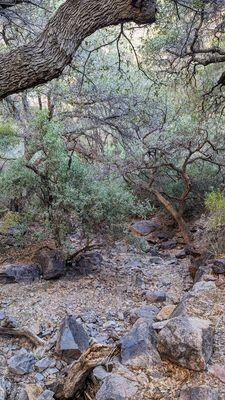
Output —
<point x="178" y="218"/>
<point x="45" y="58"/>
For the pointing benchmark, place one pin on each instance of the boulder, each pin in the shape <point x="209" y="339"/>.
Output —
<point x="147" y="312"/>
<point x="51" y="262"/>
<point x="199" y="393"/>
<point x="116" y="387"/>
<point x="22" y="363"/>
<point x="88" y="262"/>
<point x="72" y="339"/>
<point x="138" y="347"/>
<point x="157" y="296"/>
<point x="19" y="273"/>
<point x="144" y="228"/>
<point x="187" y="342"/>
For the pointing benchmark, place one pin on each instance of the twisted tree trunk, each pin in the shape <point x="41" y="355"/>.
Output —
<point x="46" y="57"/>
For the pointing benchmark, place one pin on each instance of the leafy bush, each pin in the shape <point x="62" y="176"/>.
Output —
<point x="61" y="192"/>
<point x="215" y="226"/>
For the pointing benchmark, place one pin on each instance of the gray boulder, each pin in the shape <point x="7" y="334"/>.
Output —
<point x="199" y="393"/>
<point x="51" y="262"/>
<point x="72" y="339"/>
<point x="187" y="342"/>
<point x="19" y="273"/>
<point x="138" y="347"/>
<point x="144" y="228"/>
<point x="147" y="312"/>
<point x="22" y="363"/>
<point x="116" y="387"/>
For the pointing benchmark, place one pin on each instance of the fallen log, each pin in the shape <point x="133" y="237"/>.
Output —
<point x="95" y="355"/>
<point x="23" y="332"/>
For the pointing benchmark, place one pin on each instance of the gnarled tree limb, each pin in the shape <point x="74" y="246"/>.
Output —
<point x="46" y="57"/>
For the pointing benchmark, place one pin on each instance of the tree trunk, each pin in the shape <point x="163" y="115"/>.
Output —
<point x="178" y="218"/>
<point x="45" y="58"/>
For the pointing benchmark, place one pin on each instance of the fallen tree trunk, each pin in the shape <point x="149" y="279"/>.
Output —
<point x="95" y="355"/>
<point x="45" y="58"/>
<point x="23" y="332"/>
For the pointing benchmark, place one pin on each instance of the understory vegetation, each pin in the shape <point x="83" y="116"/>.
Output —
<point x="136" y="124"/>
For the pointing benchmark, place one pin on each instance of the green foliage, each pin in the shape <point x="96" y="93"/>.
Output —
<point x="215" y="203"/>
<point x="61" y="192"/>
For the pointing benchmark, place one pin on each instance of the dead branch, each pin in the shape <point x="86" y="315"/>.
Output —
<point x="95" y="355"/>
<point x="23" y="332"/>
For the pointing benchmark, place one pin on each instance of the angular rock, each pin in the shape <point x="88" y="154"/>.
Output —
<point x="44" y="363"/>
<point x="165" y="312"/>
<point x="157" y="296"/>
<point x="144" y="228"/>
<point x="187" y="342"/>
<point x="202" y="286"/>
<point x="219" y="266"/>
<point x="145" y="312"/>
<point x="199" y="393"/>
<point x="51" y="262"/>
<point x="88" y="262"/>
<point x="46" y="395"/>
<point x="138" y="347"/>
<point x="19" y="273"/>
<point x="72" y="339"/>
<point x="116" y="387"/>
<point x="100" y="373"/>
<point x="22" y="363"/>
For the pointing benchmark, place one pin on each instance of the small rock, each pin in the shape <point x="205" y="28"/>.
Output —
<point x="51" y="262"/>
<point x="22" y="363"/>
<point x="46" y="395"/>
<point x="218" y="371"/>
<point x="116" y="387"/>
<point x="44" y="364"/>
<point x="199" y="393"/>
<point x="187" y="342"/>
<point x="165" y="312"/>
<point x="182" y="254"/>
<point x="39" y="377"/>
<point x="19" y="273"/>
<point x="100" y="373"/>
<point x="72" y="339"/>
<point x="155" y="260"/>
<point x="138" y="347"/>
<point x="145" y="312"/>
<point x="155" y="297"/>
<point x="219" y="266"/>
